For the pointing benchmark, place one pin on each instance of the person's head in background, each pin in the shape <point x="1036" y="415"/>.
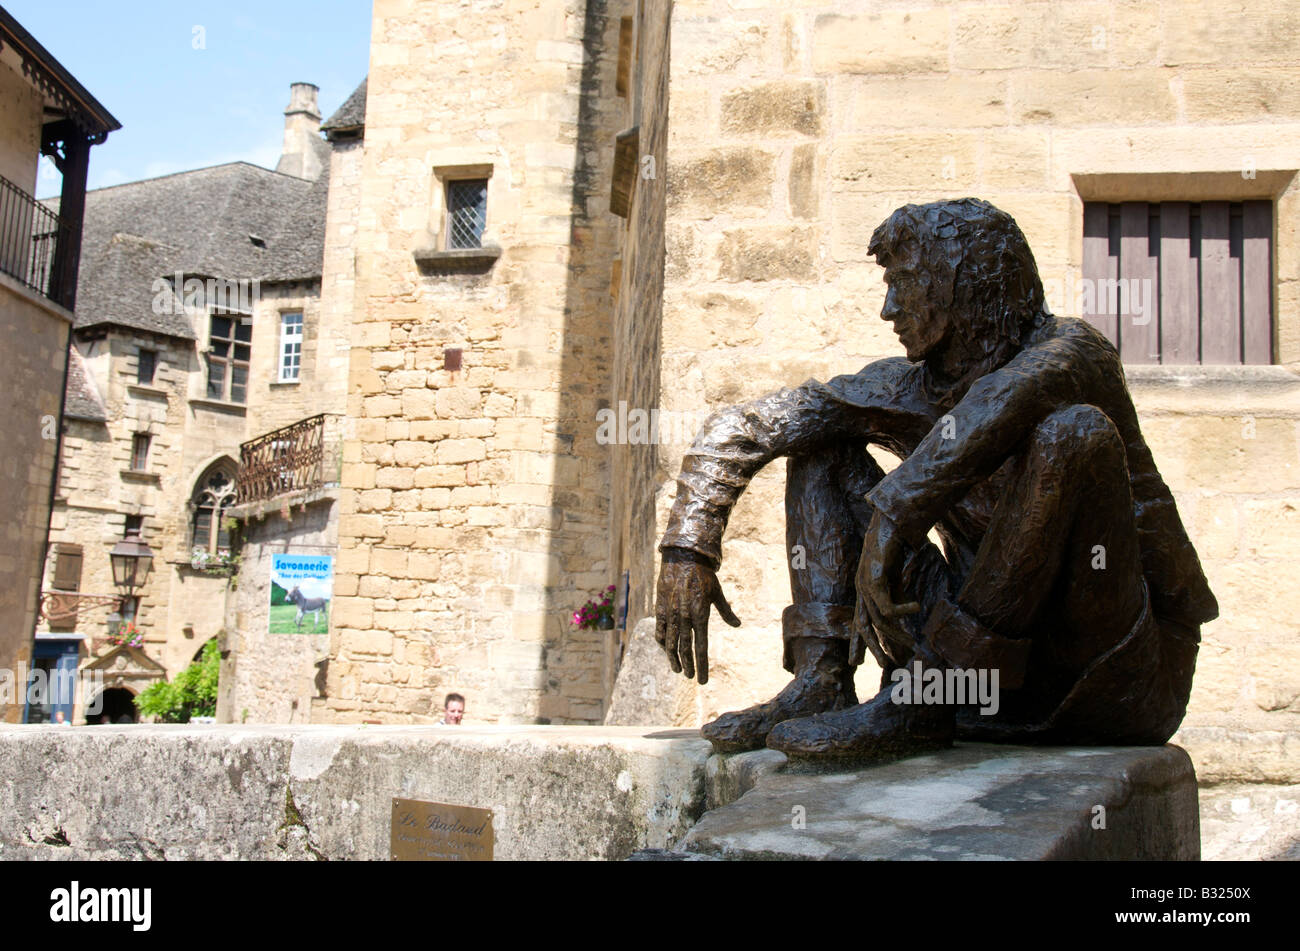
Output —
<point x="453" y="708"/>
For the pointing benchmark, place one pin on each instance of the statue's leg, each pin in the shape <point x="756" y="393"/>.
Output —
<point x="1031" y="578"/>
<point x="824" y="528"/>
<point x="1060" y="571"/>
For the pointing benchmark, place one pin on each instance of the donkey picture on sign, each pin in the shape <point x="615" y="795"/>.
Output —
<point x="313" y="606"/>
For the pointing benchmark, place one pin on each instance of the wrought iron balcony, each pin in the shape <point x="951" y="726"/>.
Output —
<point x="30" y="235"/>
<point x="297" y="459"/>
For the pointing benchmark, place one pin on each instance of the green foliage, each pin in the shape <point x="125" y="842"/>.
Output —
<point x="193" y="693"/>
<point x="278" y="594"/>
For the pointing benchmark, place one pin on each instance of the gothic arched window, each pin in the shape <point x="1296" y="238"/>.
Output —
<point x="213" y="495"/>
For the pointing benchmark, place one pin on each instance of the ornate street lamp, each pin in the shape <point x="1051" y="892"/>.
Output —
<point x="131" y="559"/>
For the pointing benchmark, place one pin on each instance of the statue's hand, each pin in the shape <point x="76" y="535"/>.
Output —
<point x="688" y="588"/>
<point x="882" y="556"/>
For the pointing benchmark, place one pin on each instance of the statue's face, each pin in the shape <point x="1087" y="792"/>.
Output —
<point x="921" y="325"/>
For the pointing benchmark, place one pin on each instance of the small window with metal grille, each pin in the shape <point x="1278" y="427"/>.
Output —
<point x="466" y="212"/>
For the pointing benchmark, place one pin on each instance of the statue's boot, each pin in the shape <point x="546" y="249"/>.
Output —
<point x="875" y="730"/>
<point x="823" y="680"/>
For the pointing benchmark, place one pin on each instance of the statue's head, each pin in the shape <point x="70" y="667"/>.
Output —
<point x="959" y="267"/>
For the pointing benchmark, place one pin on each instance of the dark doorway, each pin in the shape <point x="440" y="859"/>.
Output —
<point x="118" y="707"/>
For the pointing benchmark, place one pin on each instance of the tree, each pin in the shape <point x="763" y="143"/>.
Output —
<point x="193" y="693"/>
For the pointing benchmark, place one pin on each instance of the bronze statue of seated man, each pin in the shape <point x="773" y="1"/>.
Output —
<point x="1066" y="582"/>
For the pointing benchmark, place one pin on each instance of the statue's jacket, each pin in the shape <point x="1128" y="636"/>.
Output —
<point x="954" y="448"/>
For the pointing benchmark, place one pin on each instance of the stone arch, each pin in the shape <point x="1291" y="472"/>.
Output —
<point x="198" y="654"/>
<point x="118" y="706"/>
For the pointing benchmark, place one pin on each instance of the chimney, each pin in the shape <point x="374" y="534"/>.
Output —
<point x="301" y="156"/>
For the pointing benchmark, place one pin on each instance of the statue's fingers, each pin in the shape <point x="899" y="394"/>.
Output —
<point x="865" y="628"/>
<point x="724" y="609"/>
<point x="702" y="642"/>
<point x="671" y="634"/>
<point x="877" y="588"/>
<point x="661" y="626"/>
<point x="883" y="628"/>
<point x="685" y="647"/>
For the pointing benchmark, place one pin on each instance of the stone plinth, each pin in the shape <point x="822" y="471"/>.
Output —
<point x="325" y="792"/>
<point x="972" y="802"/>
<point x="301" y="792"/>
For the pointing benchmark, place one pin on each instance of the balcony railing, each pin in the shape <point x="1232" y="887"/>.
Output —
<point x="299" y="458"/>
<point x="29" y="239"/>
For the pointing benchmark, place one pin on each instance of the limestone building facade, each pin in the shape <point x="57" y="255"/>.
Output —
<point x="198" y="328"/>
<point x="475" y="499"/>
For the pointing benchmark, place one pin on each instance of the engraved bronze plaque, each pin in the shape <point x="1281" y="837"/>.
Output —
<point x="440" y="832"/>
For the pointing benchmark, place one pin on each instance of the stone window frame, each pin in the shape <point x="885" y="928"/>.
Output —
<point x="1275" y="185"/>
<point x="205" y="496"/>
<point x="437" y="251"/>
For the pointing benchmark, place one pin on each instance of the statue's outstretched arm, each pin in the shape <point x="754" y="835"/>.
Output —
<point x="733" y="445"/>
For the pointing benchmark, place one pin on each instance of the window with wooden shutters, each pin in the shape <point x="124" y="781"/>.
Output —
<point x="62" y="612"/>
<point x="67" y="567"/>
<point x="1181" y="282"/>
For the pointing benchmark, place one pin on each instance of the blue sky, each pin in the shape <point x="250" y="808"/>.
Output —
<point x="186" y="97"/>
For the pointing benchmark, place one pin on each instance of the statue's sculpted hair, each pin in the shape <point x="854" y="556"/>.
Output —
<point x="978" y="261"/>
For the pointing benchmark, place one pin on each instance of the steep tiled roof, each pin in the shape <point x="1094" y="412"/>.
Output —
<point x="300" y="246"/>
<point x="116" y="286"/>
<point x="350" y="115"/>
<point x="83" y="400"/>
<point x="236" y="221"/>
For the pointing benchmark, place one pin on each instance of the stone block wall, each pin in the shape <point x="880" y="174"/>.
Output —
<point x="271" y="678"/>
<point x="634" y="479"/>
<point x="795" y="128"/>
<point x="272" y="404"/>
<point x="179" y="608"/>
<point x="35" y="332"/>
<point x="474" y="511"/>
<point x="21" y="115"/>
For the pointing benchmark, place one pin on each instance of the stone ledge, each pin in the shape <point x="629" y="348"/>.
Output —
<point x="300" y="498"/>
<point x="471" y="260"/>
<point x="220" y="792"/>
<point x="975" y="801"/>
<point x="297" y="792"/>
